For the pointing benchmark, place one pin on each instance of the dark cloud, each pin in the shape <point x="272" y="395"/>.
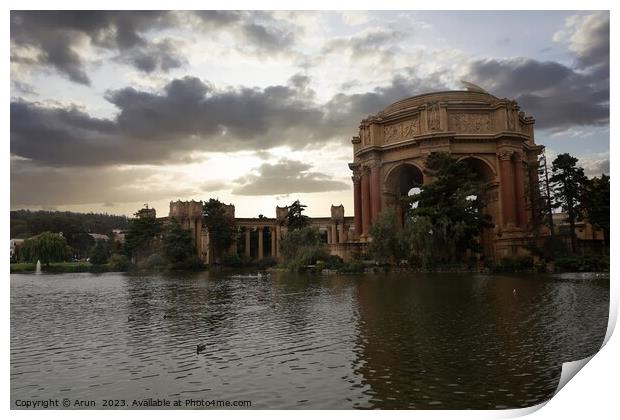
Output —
<point x="60" y="36"/>
<point x="556" y="95"/>
<point x="59" y="39"/>
<point x="344" y="111"/>
<point x="258" y="31"/>
<point x="587" y="36"/>
<point x="155" y="56"/>
<point x="192" y="115"/>
<point x="286" y="177"/>
<point x="268" y="39"/>
<point x="379" y="44"/>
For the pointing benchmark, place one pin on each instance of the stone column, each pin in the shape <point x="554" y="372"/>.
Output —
<point x="519" y="190"/>
<point x="340" y="233"/>
<point x="375" y="188"/>
<point x="357" y="201"/>
<point x="334" y="234"/>
<point x="507" y="188"/>
<point x="366" y="209"/>
<point x="329" y="235"/>
<point x="233" y="245"/>
<point x="278" y="237"/>
<point x="534" y="191"/>
<point x="198" y="241"/>
<point x="247" y="242"/>
<point x="273" y="242"/>
<point x="260" y="243"/>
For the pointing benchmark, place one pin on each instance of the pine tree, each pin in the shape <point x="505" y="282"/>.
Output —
<point x="568" y="184"/>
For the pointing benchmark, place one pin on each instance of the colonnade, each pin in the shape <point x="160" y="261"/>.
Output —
<point x="276" y="236"/>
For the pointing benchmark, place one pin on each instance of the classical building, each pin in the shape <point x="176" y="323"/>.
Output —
<point x="492" y="135"/>
<point x="260" y="237"/>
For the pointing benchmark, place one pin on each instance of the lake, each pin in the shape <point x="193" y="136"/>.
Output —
<point x="445" y="341"/>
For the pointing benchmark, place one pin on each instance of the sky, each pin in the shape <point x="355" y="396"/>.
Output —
<point x="113" y="110"/>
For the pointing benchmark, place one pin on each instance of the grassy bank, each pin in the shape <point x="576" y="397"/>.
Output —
<point x="59" y="267"/>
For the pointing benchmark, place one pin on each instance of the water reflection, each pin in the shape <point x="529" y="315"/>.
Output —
<point x="295" y="341"/>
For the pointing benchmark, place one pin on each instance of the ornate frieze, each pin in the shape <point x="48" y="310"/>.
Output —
<point x="467" y="122"/>
<point x="402" y="130"/>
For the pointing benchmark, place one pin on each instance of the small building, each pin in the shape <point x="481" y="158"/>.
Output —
<point x="99" y="237"/>
<point x="118" y="235"/>
<point x="589" y="237"/>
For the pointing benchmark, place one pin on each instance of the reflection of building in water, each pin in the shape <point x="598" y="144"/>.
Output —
<point x="491" y="135"/>
<point x="456" y="342"/>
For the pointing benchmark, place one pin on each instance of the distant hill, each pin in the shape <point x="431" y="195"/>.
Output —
<point x="26" y="223"/>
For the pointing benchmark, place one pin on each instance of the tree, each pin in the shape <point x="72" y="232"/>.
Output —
<point x="142" y="231"/>
<point x="46" y="247"/>
<point x="177" y="246"/>
<point x="596" y="203"/>
<point x="295" y="219"/>
<point x="543" y="202"/>
<point x="387" y="241"/>
<point x="100" y="253"/>
<point x="218" y="223"/>
<point x="568" y="183"/>
<point x="451" y="206"/>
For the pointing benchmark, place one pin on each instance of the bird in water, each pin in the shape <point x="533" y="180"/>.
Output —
<point x="200" y="347"/>
<point x="130" y="318"/>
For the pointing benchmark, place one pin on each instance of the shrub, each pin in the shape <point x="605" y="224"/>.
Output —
<point x="352" y="267"/>
<point x="582" y="263"/>
<point x="154" y="262"/>
<point x="266" y="263"/>
<point x="303" y="247"/>
<point x="191" y="263"/>
<point x="232" y="260"/>
<point x="119" y="262"/>
<point x="514" y="265"/>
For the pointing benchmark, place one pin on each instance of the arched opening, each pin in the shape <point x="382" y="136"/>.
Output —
<point x="402" y="182"/>
<point x="480" y="167"/>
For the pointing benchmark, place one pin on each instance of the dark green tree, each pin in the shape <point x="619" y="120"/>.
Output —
<point x="220" y="224"/>
<point x="596" y="203"/>
<point x="140" y="235"/>
<point x="568" y="184"/>
<point x="177" y="245"/>
<point x="296" y="219"/>
<point x="387" y="240"/>
<point x="47" y="247"/>
<point x="451" y="206"/>
<point x="100" y="253"/>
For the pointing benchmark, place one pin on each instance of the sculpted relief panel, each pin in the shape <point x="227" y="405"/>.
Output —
<point x="402" y="130"/>
<point x="470" y="123"/>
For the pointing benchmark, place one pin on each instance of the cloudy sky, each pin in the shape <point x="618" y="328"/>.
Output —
<point x="111" y="110"/>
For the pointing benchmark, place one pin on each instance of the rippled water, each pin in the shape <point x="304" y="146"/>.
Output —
<point x="294" y="341"/>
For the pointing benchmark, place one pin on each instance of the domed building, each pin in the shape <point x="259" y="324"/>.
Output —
<point x="493" y="135"/>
